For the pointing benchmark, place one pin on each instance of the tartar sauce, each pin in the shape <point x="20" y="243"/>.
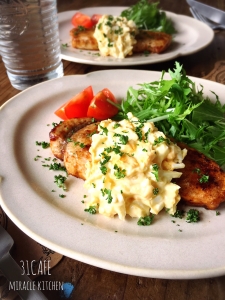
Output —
<point x="131" y="169"/>
<point x="115" y="36"/>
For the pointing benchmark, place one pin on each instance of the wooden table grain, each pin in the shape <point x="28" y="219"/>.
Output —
<point x="95" y="283"/>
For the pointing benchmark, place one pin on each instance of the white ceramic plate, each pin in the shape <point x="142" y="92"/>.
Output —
<point x="191" y="36"/>
<point x="159" y="250"/>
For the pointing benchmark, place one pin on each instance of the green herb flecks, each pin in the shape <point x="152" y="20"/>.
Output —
<point x="122" y="138"/>
<point x="60" y="181"/>
<point x="92" y="210"/>
<point x="104" y="130"/>
<point x="178" y="214"/>
<point x="160" y="140"/>
<point x="119" y="173"/>
<point x="44" y="145"/>
<point x="155" y="171"/>
<point x="108" y="194"/>
<point x="57" y="167"/>
<point x="155" y="191"/>
<point x="192" y="216"/>
<point x="204" y="178"/>
<point x="145" y="221"/>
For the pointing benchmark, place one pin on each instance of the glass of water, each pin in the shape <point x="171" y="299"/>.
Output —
<point x="29" y="41"/>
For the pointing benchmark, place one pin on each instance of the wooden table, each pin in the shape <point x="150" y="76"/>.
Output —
<point x="95" y="283"/>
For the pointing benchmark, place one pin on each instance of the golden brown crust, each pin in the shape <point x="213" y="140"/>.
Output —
<point x="83" y="39"/>
<point x="154" y="42"/>
<point x="77" y="151"/>
<point x="59" y="134"/>
<point x="151" y="41"/>
<point x="206" y="194"/>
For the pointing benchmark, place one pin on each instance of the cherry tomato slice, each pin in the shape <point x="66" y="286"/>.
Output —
<point x="100" y="108"/>
<point x="80" y="19"/>
<point x="77" y="106"/>
<point x="95" y="18"/>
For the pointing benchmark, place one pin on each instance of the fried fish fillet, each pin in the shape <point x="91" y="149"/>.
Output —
<point x="154" y="42"/>
<point x="208" y="194"/>
<point x="77" y="153"/>
<point x="60" y="134"/>
<point x="202" y="182"/>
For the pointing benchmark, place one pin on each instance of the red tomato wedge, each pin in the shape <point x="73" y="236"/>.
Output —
<point x="95" y="18"/>
<point x="80" y="19"/>
<point x="60" y="112"/>
<point x="100" y="108"/>
<point x="76" y="107"/>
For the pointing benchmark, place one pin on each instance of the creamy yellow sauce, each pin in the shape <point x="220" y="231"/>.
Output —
<point x="131" y="168"/>
<point x="115" y="36"/>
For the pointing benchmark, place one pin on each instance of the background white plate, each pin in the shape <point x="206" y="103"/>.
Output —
<point x="159" y="250"/>
<point x="192" y="36"/>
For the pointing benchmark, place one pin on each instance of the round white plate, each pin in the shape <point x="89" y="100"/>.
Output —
<point x="192" y="36"/>
<point x="163" y="250"/>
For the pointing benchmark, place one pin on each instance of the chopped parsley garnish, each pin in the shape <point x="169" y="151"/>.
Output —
<point x="192" y="216"/>
<point x="146" y="53"/>
<point x="90" y="134"/>
<point x="62" y="195"/>
<point x="108" y="193"/>
<point x="204" y="179"/>
<point x="37" y="157"/>
<point x="106" y="159"/>
<point x="57" y="167"/>
<point x="138" y="131"/>
<point x="160" y="140"/>
<point x="104" y="129"/>
<point x="178" y="214"/>
<point x="115" y="149"/>
<point x="44" y="145"/>
<point x="92" y="210"/>
<point x="116" y="125"/>
<point x="123" y="138"/>
<point x="155" y="191"/>
<point x="60" y="181"/>
<point x="155" y="168"/>
<point x="103" y="170"/>
<point x="119" y="173"/>
<point x="197" y="170"/>
<point x="145" y="221"/>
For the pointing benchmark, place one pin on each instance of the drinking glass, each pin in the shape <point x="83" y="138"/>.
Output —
<point x="29" y="41"/>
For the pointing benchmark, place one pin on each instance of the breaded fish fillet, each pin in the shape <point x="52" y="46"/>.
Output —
<point x="154" y="42"/>
<point x="77" y="153"/>
<point x="202" y="182"/>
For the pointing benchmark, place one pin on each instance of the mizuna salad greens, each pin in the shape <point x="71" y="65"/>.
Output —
<point x="147" y="16"/>
<point x="181" y="111"/>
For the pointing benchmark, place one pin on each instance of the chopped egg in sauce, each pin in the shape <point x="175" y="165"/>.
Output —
<point x="115" y="36"/>
<point x="131" y="169"/>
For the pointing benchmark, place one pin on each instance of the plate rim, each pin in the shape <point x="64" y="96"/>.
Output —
<point x="209" y="34"/>
<point x="172" y="274"/>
